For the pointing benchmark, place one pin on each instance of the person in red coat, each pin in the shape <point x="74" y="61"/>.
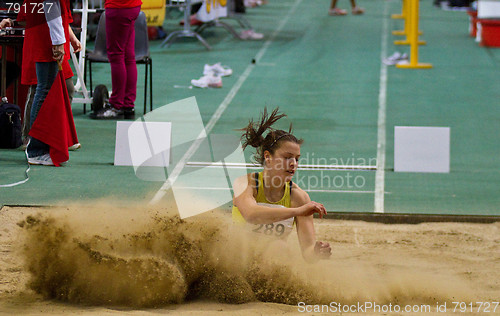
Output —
<point x="29" y="73"/>
<point x="120" y="46"/>
<point x="46" y="44"/>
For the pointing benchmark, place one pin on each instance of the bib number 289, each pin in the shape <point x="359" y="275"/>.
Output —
<point x="270" y="229"/>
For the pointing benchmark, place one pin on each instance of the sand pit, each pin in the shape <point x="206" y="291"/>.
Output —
<point x="98" y="259"/>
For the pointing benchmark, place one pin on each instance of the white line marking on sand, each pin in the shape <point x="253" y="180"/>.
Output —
<point x="356" y="237"/>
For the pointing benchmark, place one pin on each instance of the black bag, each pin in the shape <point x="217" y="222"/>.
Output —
<point x="10" y="126"/>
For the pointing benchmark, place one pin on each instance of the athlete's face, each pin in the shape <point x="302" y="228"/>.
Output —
<point x="285" y="160"/>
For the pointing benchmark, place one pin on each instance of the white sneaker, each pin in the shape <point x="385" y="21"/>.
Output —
<point x="337" y="11"/>
<point x="357" y="11"/>
<point x="395" y="58"/>
<point x="217" y="70"/>
<point x="108" y="112"/>
<point x="207" y="81"/>
<point x="44" y="160"/>
<point x="75" y="147"/>
<point x="251" y="35"/>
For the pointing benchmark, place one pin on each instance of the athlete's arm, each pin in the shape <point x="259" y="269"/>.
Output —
<point x="312" y="250"/>
<point x="244" y="199"/>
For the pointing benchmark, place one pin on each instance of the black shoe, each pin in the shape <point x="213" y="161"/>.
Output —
<point x="128" y="113"/>
<point x="107" y="113"/>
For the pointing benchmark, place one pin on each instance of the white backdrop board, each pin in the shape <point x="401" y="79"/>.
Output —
<point x="143" y="143"/>
<point x="421" y="149"/>
<point x="488" y="9"/>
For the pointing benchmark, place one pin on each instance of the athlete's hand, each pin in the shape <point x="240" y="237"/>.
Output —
<point x="322" y="250"/>
<point x="311" y="208"/>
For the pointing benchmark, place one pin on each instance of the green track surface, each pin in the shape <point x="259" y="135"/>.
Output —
<point x="325" y="73"/>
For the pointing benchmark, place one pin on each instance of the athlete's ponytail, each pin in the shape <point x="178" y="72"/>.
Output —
<point x="254" y="135"/>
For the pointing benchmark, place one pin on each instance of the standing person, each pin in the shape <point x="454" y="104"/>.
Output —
<point x="120" y="46"/>
<point x="336" y="11"/>
<point x="269" y="199"/>
<point x="29" y="76"/>
<point x="45" y="46"/>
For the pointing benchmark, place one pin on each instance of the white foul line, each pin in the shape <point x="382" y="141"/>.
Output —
<point x="237" y="165"/>
<point x="307" y="190"/>
<point x="172" y="177"/>
<point x="381" y="124"/>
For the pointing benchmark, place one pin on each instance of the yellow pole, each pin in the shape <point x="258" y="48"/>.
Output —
<point x="403" y="12"/>
<point x="405" y="15"/>
<point x="409" y="21"/>
<point x="414" y="40"/>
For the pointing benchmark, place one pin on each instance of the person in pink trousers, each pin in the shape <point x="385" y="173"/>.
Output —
<point x="120" y="45"/>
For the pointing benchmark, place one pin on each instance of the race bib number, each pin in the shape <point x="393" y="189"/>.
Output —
<point x="279" y="229"/>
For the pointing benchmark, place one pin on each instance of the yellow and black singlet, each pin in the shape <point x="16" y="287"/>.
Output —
<point x="281" y="228"/>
